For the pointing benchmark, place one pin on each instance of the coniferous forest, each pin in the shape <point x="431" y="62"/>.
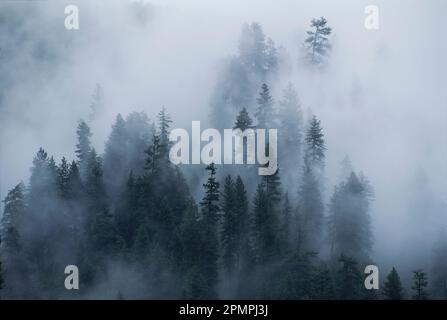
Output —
<point x="138" y="226"/>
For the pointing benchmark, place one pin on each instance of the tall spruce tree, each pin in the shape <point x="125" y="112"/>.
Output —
<point x="392" y="288"/>
<point x="317" y="43"/>
<point x="349" y="279"/>
<point x="210" y="217"/>
<point x="243" y="120"/>
<point x="229" y="226"/>
<point x="14" y="213"/>
<point x="290" y="133"/>
<point x="311" y="210"/>
<point x="420" y="283"/>
<point x="315" y="147"/>
<point x="265" y="112"/>
<point x="116" y="166"/>
<point x="83" y="147"/>
<point x="349" y="221"/>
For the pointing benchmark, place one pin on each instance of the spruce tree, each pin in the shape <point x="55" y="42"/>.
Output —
<point x="264" y="113"/>
<point x="12" y="219"/>
<point x="317" y="44"/>
<point x="210" y="203"/>
<point x="229" y="226"/>
<point x="392" y="288"/>
<point x="116" y="158"/>
<point x="315" y="147"/>
<point x="349" y="222"/>
<point x="322" y="283"/>
<point x="420" y="285"/>
<point x="311" y="210"/>
<point x="243" y="120"/>
<point x="349" y="279"/>
<point x="83" y="147"/>
<point x="63" y="176"/>
<point x="210" y="217"/>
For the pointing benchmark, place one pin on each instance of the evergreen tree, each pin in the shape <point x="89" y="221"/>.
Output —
<point x="209" y="204"/>
<point x="322" y="283"/>
<point x="257" y="52"/>
<point x="349" y="279"/>
<point x="317" y="44"/>
<point x="264" y="113"/>
<point x="12" y="220"/>
<point x="314" y="144"/>
<point x="243" y="120"/>
<point x="229" y="226"/>
<point x="164" y="121"/>
<point x="311" y="210"/>
<point x="74" y="183"/>
<point x="210" y="216"/>
<point x="116" y="166"/>
<point x="349" y="222"/>
<point x="290" y="132"/>
<point x="63" y="176"/>
<point x="286" y="223"/>
<point x="83" y="147"/>
<point x="392" y="288"/>
<point x="439" y="267"/>
<point x="265" y="222"/>
<point x="420" y="285"/>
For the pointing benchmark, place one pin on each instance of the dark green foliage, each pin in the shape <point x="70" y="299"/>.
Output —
<point x="83" y="147"/>
<point x="322" y="283"/>
<point x="392" y="288"/>
<point x="420" y="285"/>
<point x="210" y="203"/>
<point x="311" y="209"/>
<point x="315" y="147"/>
<point x="349" y="222"/>
<point x="349" y="280"/>
<point x="317" y="44"/>
<point x="243" y="120"/>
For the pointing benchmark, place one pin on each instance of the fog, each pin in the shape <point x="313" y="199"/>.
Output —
<point x="382" y="99"/>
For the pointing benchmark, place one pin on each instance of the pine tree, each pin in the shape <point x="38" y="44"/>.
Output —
<point x="12" y="219"/>
<point x="265" y="222"/>
<point x="317" y="44"/>
<point x="83" y="147"/>
<point x="314" y="144"/>
<point x="243" y="120"/>
<point x="349" y="279"/>
<point x="286" y="223"/>
<point x="229" y="226"/>
<point x="420" y="285"/>
<point x="264" y="113"/>
<point x="257" y="52"/>
<point x="322" y="283"/>
<point x="116" y="158"/>
<point x="210" y="216"/>
<point x="290" y="132"/>
<point x="209" y="204"/>
<point x="392" y="288"/>
<point x="63" y="176"/>
<point x="311" y="210"/>
<point x="349" y="222"/>
<point x="164" y="121"/>
<point x="74" y="184"/>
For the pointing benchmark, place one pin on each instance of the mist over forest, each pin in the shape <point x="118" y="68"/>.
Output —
<point x="85" y="178"/>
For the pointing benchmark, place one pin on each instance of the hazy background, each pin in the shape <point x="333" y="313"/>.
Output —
<point x="382" y="101"/>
